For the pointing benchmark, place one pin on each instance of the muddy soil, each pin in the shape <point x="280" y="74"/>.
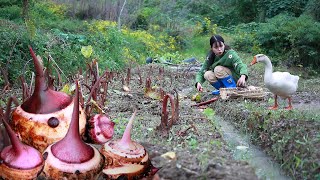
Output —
<point x="194" y="147"/>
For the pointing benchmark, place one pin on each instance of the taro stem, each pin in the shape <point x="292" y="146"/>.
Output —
<point x="44" y="100"/>
<point x="93" y="94"/>
<point x="176" y="105"/>
<point x="128" y="78"/>
<point x="206" y="102"/>
<point x="6" y="115"/>
<point x="164" y="125"/>
<point x="18" y="161"/>
<point x="19" y="156"/>
<point x="148" y="84"/>
<point x="71" y="148"/>
<point x="13" y="99"/>
<point x="25" y="92"/>
<point x="71" y="158"/>
<point x="125" y="142"/>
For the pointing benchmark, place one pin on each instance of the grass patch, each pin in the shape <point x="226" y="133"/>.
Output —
<point x="290" y="137"/>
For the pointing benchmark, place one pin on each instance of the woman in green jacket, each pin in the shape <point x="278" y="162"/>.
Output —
<point x="223" y="67"/>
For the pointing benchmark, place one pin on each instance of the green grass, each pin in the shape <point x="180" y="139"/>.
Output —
<point x="197" y="47"/>
<point x="290" y="137"/>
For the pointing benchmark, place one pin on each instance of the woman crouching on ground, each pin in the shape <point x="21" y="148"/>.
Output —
<point x="223" y="67"/>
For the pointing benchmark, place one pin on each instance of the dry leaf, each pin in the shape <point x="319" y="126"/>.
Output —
<point x="125" y="88"/>
<point x="169" y="155"/>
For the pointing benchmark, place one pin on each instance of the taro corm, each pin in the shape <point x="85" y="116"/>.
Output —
<point x="19" y="161"/>
<point x="71" y="158"/>
<point x="100" y="129"/>
<point x="45" y="116"/>
<point x="125" y="158"/>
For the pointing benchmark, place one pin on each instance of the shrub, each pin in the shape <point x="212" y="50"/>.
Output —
<point x="245" y="38"/>
<point x="313" y="9"/>
<point x="10" y="12"/>
<point x="14" y="57"/>
<point x="295" y="39"/>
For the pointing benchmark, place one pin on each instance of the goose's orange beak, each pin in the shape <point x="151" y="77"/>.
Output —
<point x="254" y="61"/>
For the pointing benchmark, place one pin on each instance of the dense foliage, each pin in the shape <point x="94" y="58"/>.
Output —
<point x="290" y="40"/>
<point x="130" y="31"/>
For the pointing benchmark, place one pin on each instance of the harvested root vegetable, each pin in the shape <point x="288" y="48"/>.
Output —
<point x="71" y="158"/>
<point x="19" y="161"/>
<point x="205" y="102"/>
<point x="44" y="118"/>
<point x="125" y="158"/>
<point x="100" y="129"/>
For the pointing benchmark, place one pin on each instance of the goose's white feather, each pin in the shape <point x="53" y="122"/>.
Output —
<point x="282" y="84"/>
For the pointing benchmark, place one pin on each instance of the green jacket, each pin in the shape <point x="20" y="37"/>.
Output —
<point x="229" y="59"/>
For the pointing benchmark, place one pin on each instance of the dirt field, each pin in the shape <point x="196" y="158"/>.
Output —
<point x="195" y="143"/>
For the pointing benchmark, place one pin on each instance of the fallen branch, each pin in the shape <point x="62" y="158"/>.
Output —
<point x="205" y="102"/>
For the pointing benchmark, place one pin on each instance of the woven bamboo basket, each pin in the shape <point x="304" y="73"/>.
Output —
<point x="250" y="92"/>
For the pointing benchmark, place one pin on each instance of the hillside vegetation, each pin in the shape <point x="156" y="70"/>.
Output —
<point x="117" y="32"/>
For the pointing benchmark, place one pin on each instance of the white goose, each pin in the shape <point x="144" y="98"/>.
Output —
<point x="281" y="84"/>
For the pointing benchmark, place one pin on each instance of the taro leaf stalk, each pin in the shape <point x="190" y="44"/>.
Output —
<point x="25" y="91"/>
<point x="214" y="99"/>
<point x="100" y="128"/>
<point x="128" y="78"/>
<point x="176" y="105"/>
<point x="165" y="125"/>
<point x="94" y="95"/>
<point x="148" y="85"/>
<point x="4" y="137"/>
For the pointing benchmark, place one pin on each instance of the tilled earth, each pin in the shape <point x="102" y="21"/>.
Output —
<point x="194" y="147"/>
<point x="200" y="152"/>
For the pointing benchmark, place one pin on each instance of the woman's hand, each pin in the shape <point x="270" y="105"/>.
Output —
<point x="242" y="81"/>
<point x="199" y="87"/>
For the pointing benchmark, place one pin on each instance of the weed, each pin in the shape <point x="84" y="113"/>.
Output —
<point x="192" y="142"/>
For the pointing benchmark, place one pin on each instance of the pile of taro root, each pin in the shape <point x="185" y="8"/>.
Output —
<point x="68" y="135"/>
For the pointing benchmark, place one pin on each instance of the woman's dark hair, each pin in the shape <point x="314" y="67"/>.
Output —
<point x="216" y="41"/>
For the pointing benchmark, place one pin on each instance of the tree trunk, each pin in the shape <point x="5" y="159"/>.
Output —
<point x="25" y="9"/>
<point x="119" y="17"/>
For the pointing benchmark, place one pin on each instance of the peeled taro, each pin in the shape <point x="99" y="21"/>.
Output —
<point x="71" y="158"/>
<point x="125" y="158"/>
<point x="44" y="118"/>
<point x="19" y="161"/>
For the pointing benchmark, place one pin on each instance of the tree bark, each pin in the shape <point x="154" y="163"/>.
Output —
<point x="25" y="9"/>
<point x="119" y="17"/>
